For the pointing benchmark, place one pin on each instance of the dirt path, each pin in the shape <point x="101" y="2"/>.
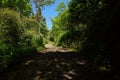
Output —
<point x="51" y="48"/>
<point x="55" y="64"/>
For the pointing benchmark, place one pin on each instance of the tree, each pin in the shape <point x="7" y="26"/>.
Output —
<point x="22" y="6"/>
<point x="39" y="5"/>
<point x="61" y="7"/>
<point x="101" y="18"/>
<point x="42" y="3"/>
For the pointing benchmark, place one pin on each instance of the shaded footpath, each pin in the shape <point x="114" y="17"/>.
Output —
<point x="53" y="63"/>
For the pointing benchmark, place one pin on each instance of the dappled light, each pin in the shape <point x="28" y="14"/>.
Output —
<point x="52" y="65"/>
<point x="28" y="62"/>
<point x="59" y="40"/>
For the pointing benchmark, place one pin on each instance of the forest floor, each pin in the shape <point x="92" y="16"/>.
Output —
<point x="53" y="63"/>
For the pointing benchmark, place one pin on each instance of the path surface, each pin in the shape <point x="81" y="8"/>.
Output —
<point x="51" y="48"/>
<point x="55" y="64"/>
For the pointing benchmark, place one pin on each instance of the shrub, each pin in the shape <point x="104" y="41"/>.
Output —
<point x="10" y="32"/>
<point x="70" y="40"/>
<point x="19" y="37"/>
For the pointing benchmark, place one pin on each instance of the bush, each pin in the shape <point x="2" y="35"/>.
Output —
<point x="19" y="37"/>
<point x="70" y="40"/>
<point x="10" y="32"/>
<point x="31" y="38"/>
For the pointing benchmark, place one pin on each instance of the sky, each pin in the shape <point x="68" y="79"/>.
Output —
<point x="49" y="12"/>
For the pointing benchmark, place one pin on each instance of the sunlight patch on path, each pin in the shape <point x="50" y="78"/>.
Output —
<point x="69" y="75"/>
<point x="51" y="48"/>
<point x="28" y="62"/>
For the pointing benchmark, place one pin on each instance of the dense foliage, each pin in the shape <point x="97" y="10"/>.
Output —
<point x="18" y="37"/>
<point x="88" y="26"/>
<point x="92" y="26"/>
<point x="70" y="33"/>
<point x="22" y="6"/>
<point x="21" y="33"/>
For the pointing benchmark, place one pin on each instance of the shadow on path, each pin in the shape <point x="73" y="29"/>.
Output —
<point x="53" y="66"/>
